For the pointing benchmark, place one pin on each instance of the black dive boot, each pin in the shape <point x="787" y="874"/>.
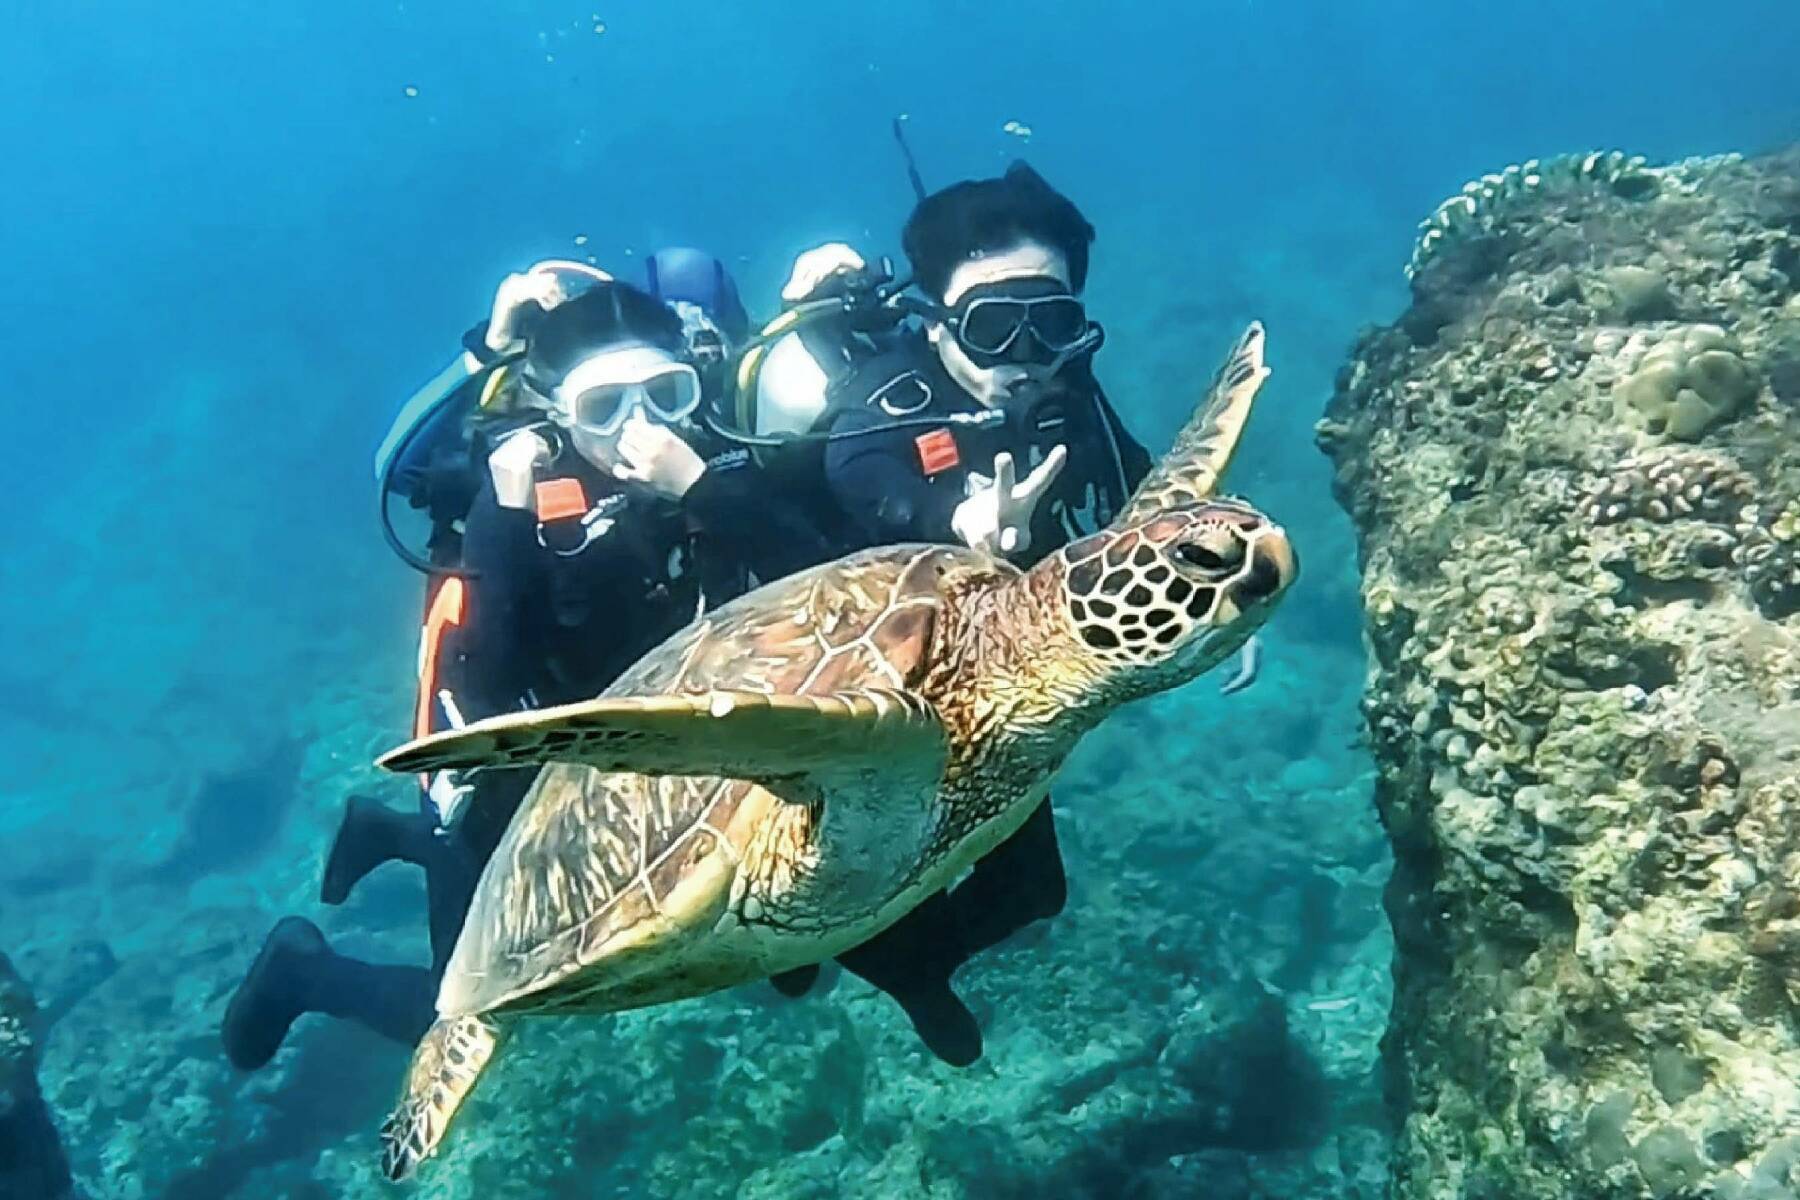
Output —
<point x="1020" y="881"/>
<point x="297" y="972"/>
<point x="912" y="961"/>
<point x="370" y="834"/>
<point x="273" y="993"/>
<point x="797" y="982"/>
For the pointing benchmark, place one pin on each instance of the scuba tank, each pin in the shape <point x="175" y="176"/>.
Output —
<point x="713" y="321"/>
<point x="786" y="375"/>
<point x="683" y="275"/>
<point x="420" y="416"/>
<point x="431" y="457"/>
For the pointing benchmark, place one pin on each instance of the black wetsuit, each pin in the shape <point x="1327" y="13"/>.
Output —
<point x="556" y="610"/>
<point x="902" y="483"/>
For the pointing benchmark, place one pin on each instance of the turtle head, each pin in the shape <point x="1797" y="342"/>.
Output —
<point x="1162" y="601"/>
<point x="1182" y="578"/>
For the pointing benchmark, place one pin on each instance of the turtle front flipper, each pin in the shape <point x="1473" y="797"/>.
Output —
<point x="738" y="735"/>
<point x="446" y="1064"/>
<point x="1191" y="470"/>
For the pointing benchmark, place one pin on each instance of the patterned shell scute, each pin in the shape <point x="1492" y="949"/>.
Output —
<point x="602" y="864"/>
<point x="862" y="622"/>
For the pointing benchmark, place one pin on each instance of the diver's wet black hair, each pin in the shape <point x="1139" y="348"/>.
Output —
<point x="981" y="215"/>
<point x="605" y="315"/>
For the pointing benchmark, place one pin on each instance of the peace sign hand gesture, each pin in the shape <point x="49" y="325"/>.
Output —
<point x="997" y="519"/>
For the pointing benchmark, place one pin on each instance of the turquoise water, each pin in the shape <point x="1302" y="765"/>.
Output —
<point x="235" y="237"/>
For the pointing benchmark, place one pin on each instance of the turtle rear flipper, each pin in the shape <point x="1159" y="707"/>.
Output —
<point x="444" y="1068"/>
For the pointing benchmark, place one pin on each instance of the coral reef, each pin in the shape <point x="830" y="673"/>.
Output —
<point x="1769" y="554"/>
<point x="32" y="1164"/>
<point x="1484" y="204"/>
<point x="1570" y="465"/>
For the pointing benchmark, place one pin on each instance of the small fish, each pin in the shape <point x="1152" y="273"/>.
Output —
<point x="1331" y="1005"/>
<point x="1018" y="129"/>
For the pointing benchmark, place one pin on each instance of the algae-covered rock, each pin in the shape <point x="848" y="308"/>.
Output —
<point x="32" y="1165"/>
<point x="1637" y="293"/>
<point x="1769" y="554"/>
<point x="1585" y="695"/>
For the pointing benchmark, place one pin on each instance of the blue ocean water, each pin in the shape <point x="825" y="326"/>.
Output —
<point x="236" y="237"/>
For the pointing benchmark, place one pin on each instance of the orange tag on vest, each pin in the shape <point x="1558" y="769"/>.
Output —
<point x="559" y="498"/>
<point x="937" y="451"/>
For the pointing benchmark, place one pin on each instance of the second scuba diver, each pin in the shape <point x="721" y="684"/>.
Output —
<point x="605" y="521"/>
<point x="919" y="432"/>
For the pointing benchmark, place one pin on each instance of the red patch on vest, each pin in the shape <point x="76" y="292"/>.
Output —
<point x="559" y="498"/>
<point x="937" y="451"/>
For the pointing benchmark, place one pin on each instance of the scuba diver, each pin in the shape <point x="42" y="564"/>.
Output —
<point x="434" y="456"/>
<point x="912" y="419"/>
<point x="997" y="368"/>
<point x="603" y="522"/>
<point x="517" y="557"/>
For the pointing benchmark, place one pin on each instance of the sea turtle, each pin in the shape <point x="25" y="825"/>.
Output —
<point x="795" y="771"/>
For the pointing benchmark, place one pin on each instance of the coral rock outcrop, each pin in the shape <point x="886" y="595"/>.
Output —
<point x="32" y="1164"/>
<point x="1571" y="465"/>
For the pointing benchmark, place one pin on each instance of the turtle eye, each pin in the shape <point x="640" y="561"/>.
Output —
<point x="1216" y="552"/>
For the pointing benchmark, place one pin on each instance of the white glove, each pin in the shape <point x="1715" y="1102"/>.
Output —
<point x="816" y="266"/>
<point x="655" y="456"/>
<point x="449" y="791"/>
<point x="542" y="284"/>
<point x="997" y="519"/>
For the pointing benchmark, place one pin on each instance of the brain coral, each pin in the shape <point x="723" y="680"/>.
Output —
<point x="1689" y="382"/>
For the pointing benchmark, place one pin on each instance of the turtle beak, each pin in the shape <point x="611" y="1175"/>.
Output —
<point x="1272" y="568"/>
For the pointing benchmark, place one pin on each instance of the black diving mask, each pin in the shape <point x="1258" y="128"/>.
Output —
<point x="1028" y="321"/>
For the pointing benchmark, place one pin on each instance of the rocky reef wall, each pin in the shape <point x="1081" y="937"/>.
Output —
<point x="1574" y="468"/>
<point x="32" y="1164"/>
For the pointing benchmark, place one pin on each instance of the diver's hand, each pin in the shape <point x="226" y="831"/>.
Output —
<point x="543" y="285"/>
<point x="655" y="456"/>
<point x="997" y="519"/>
<point x="517" y="290"/>
<point x="449" y="792"/>
<point x="1249" y="665"/>
<point x="814" y="267"/>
